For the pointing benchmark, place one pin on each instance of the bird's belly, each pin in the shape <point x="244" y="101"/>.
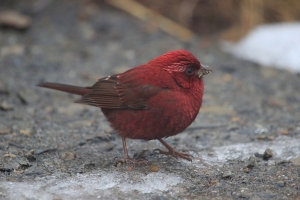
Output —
<point x="149" y="124"/>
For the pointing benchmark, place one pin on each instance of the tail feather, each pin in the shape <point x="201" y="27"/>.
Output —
<point x="65" y="88"/>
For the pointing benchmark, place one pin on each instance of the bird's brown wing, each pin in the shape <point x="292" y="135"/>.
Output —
<point x="103" y="94"/>
<point x="136" y="97"/>
<point x="109" y="93"/>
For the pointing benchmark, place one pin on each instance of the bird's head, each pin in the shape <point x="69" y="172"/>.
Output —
<point x="183" y="67"/>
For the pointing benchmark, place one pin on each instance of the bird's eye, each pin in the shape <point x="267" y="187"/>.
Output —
<point x="189" y="71"/>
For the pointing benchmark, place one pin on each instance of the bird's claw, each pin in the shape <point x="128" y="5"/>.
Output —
<point x="176" y="154"/>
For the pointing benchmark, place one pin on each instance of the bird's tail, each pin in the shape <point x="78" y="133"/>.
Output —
<point x="65" y="88"/>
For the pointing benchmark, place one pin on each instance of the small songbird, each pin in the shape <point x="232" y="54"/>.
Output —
<point x="152" y="101"/>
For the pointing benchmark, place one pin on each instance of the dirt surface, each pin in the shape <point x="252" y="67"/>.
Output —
<point x="245" y="141"/>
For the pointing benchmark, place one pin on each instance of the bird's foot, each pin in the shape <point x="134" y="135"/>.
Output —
<point x="176" y="154"/>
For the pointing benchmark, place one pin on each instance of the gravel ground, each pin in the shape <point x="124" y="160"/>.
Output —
<point x="245" y="140"/>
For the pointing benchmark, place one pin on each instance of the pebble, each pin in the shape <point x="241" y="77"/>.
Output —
<point x="68" y="156"/>
<point x="9" y="155"/>
<point x="296" y="161"/>
<point x="246" y="169"/>
<point x="15" y="20"/>
<point x="30" y="156"/>
<point x="25" y="132"/>
<point x="280" y="184"/>
<point x="251" y="162"/>
<point x="284" y="132"/>
<point x="154" y="168"/>
<point x="5" y="131"/>
<point x="119" y="164"/>
<point x="265" y="137"/>
<point x="227" y="174"/>
<point x="6" y="106"/>
<point x="267" y="154"/>
<point x="90" y="166"/>
<point x="214" y="182"/>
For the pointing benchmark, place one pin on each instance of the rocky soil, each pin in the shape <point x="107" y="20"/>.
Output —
<point x="245" y="141"/>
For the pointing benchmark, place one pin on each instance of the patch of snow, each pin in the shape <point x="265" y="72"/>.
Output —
<point x="89" y="184"/>
<point x="282" y="147"/>
<point x="275" y="45"/>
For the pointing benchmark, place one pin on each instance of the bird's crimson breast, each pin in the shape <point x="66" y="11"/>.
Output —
<point x="167" y="114"/>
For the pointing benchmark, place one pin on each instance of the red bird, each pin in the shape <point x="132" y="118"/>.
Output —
<point x="152" y="101"/>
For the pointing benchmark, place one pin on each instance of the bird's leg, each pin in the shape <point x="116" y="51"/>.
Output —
<point x="126" y="156"/>
<point x="127" y="159"/>
<point x="174" y="153"/>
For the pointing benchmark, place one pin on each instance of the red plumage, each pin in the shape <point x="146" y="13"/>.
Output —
<point x="158" y="99"/>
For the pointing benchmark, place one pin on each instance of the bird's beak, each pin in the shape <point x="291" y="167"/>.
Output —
<point x="204" y="70"/>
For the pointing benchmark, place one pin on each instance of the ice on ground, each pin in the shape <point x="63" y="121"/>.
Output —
<point x="283" y="148"/>
<point x="90" y="184"/>
<point x="276" y="45"/>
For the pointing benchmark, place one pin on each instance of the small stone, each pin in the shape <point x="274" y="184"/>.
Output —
<point x="30" y="156"/>
<point x="261" y="137"/>
<point x="213" y="182"/>
<point x="258" y="155"/>
<point x="5" y="131"/>
<point x="280" y="184"/>
<point x="284" y="132"/>
<point x="15" y="20"/>
<point x="246" y="169"/>
<point x="68" y="156"/>
<point x="154" y="168"/>
<point x="9" y="155"/>
<point x="119" y="164"/>
<point x="227" y="174"/>
<point x="265" y="137"/>
<point x="270" y="137"/>
<point x="25" y="132"/>
<point x="267" y="154"/>
<point x="89" y="166"/>
<point x="296" y="161"/>
<point x="5" y="106"/>
<point x="251" y="162"/>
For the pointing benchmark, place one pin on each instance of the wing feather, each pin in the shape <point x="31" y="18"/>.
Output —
<point x="113" y="92"/>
